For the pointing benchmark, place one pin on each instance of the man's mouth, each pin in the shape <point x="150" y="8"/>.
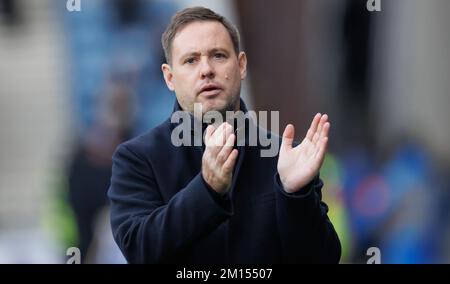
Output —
<point x="210" y="90"/>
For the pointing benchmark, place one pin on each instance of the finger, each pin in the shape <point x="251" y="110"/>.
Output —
<point x="223" y="135"/>
<point x="227" y="133"/>
<point x="217" y="136"/>
<point x="312" y="129"/>
<point x="288" y="137"/>
<point x="325" y="130"/>
<point x="230" y="162"/>
<point x="231" y="137"/>
<point x="226" y="150"/>
<point x="316" y="136"/>
<point x="212" y="147"/>
<point x="309" y="135"/>
<point x="322" y="121"/>
<point x="209" y="130"/>
<point x="320" y="155"/>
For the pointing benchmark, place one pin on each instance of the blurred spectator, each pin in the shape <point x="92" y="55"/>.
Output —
<point x="124" y="37"/>
<point x="90" y="169"/>
<point x="10" y="14"/>
<point x="121" y="38"/>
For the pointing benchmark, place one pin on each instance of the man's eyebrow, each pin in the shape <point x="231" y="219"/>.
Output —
<point x="196" y="53"/>
<point x="218" y="49"/>
<point x="188" y="54"/>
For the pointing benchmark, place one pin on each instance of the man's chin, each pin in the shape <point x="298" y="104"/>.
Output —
<point x="215" y="105"/>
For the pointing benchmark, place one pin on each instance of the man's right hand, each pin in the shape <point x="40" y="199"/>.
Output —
<point x="219" y="157"/>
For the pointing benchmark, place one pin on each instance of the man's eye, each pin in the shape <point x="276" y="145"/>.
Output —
<point x="190" y="60"/>
<point x="219" y="55"/>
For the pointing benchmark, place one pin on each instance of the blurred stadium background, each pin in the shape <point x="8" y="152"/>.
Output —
<point x="75" y="84"/>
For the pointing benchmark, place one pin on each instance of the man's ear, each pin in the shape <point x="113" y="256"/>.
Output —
<point x="242" y="59"/>
<point x="168" y="76"/>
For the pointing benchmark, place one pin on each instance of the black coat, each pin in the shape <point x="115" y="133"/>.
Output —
<point x="162" y="210"/>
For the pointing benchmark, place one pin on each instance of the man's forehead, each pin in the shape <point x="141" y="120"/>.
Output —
<point x="202" y="36"/>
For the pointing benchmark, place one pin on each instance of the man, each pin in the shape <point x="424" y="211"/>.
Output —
<point x="218" y="202"/>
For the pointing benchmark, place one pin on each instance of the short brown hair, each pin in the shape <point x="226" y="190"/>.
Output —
<point x="193" y="14"/>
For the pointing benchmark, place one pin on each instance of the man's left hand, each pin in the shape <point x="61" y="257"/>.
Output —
<point x="297" y="166"/>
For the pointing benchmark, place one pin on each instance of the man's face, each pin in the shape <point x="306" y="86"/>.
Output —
<point x="205" y="68"/>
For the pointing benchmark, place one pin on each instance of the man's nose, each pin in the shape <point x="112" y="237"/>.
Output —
<point x="206" y="69"/>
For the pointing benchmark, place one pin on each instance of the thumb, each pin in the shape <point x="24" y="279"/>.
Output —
<point x="288" y="137"/>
